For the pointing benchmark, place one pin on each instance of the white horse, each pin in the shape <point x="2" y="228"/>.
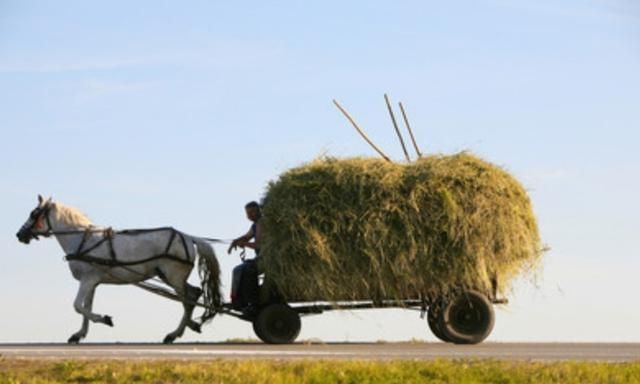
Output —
<point x="98" y="255"/>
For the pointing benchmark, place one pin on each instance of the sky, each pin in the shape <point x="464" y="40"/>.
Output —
<point x="152" y="113"/>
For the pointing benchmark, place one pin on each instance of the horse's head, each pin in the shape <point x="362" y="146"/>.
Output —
<point x="37" y="223"/>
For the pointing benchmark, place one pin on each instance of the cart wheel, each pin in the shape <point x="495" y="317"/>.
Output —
<point x="467" y="319"/>
<point x="434" y="316"/>
<point x="277" y="324"/>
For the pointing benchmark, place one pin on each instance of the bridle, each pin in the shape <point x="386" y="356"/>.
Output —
<point x="36" y="215"/>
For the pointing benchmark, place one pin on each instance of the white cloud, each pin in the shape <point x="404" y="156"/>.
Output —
<point x="53" y="66"/>
<point x="101" y="87"/>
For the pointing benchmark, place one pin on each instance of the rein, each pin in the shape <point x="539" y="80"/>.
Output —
<point x="92" y="229"/>
<point x="123" y="232"/>
<point x="82" y="254"/>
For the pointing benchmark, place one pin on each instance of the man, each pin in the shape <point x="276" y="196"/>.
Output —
<point x="244" y="282"/>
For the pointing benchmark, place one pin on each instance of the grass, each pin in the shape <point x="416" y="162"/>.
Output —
<point x="313" y="371"/>
<point x="362" y="228"/>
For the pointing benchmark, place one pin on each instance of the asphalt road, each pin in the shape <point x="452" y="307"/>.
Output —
<point x="615" y="352"/>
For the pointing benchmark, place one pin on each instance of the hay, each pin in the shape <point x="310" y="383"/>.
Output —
<point x="362" y="228"/>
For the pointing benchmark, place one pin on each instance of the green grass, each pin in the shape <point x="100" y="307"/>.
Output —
<point x="310" y="371"/>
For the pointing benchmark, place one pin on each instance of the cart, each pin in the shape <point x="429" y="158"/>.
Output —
<point x="463" y="316"/>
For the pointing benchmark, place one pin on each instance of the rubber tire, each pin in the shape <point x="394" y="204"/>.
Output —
<point x="277" y="324"/>
<point x="434" y="316"/>
<point x="468" y="318"/>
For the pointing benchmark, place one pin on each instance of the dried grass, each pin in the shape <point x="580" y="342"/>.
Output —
<point x="363" y="228"/>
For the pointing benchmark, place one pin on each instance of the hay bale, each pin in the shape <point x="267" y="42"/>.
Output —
<point x="361" y="228"/>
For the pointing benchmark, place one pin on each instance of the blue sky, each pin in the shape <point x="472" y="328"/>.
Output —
<point x="172" y="113"/>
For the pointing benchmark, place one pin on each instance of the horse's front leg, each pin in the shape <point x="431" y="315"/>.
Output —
<point x="84" y="329"/>
<point x="83" y="305"/>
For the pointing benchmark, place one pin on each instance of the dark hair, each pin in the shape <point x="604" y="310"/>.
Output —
<point x="252" y="204"/>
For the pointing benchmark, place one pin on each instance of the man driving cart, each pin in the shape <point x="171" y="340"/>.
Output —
<point x="244" y="281"/>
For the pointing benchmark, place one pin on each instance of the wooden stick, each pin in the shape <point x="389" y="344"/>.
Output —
<point x="395" y="125"/>
<point x="406" y="122"/>
<point x="360" y="131"/>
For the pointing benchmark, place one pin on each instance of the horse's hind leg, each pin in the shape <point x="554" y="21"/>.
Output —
<point x="177" y="279"/>
<point x="192" y="295"/>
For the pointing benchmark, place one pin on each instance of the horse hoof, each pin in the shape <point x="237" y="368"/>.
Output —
<point x="195" y="327"/>
<point x="108" y="320"/>
<point x="74" y="340"/>
<point x="168" y="339"/>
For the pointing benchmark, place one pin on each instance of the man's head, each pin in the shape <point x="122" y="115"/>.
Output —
<point x="253" y="211"/>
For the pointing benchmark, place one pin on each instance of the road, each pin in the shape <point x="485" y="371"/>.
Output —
<point x="614" y="352"/>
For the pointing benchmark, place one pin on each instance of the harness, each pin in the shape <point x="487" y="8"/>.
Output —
<point x="83" y="253"/>
<point x="108" y="234"/>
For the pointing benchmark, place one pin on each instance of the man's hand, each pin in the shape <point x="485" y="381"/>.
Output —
<point x="235" y="244"/>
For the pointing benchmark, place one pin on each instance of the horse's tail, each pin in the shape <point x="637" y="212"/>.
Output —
<point x="209" y="271"/>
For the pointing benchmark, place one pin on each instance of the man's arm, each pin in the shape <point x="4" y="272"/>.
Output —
<point x="256" y="243"/>
<point x="241" y="241"/>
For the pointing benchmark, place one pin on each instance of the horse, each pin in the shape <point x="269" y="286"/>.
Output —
<point x="99" y="255"/>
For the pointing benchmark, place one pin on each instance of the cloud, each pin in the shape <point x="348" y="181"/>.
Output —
<point x="58" y="66"/>
<point x="99" y="87"/>
<point x="229" y="54"/>
<point x="587" y="9"/>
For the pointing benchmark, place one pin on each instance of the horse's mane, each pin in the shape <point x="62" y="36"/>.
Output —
<point x="71" y="216"/>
